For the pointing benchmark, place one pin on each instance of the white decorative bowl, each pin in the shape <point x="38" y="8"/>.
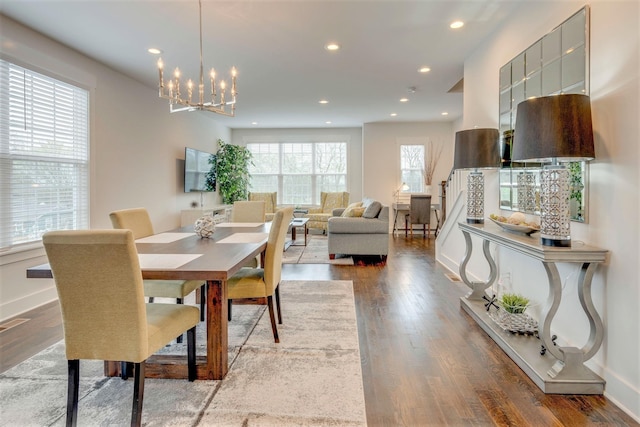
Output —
<point x="204" y="226"/>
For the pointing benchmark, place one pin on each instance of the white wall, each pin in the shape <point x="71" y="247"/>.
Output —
<point x="381" y="155"/>
<point x="137" y="152"/>
<point x="613" y="182"/>
<point x="352" y="135"/>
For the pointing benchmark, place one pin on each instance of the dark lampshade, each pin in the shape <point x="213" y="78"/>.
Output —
<point x="554" y="127"/>
<point x="477" y="148"/>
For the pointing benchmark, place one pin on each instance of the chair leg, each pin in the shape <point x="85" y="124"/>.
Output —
<point x="273" y="319"/>
<point x="179" y="338"/>
<point x="138" y="394"/>
<point x="126" y="368"/>
<point x="73" y="383"/>
<point x="406" y="229"/>
<point x="277" y="292"/>
<point x="203" y="301"/>
<point x="191" y="353"/>
<point x="229" y="304"/>
<point x="424" y="230"/>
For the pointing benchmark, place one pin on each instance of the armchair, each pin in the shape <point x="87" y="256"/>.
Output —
<point x="319" y="217"/>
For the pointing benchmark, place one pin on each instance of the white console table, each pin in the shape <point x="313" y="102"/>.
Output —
<point x="189" y="216"/>
<point x="558" y="370"/>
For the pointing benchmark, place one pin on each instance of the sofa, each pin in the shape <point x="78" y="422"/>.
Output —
<point x="367" y="234"/>
<point x="319" y="217"/>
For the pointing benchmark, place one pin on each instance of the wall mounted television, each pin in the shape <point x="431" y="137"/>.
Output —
<point x="197" y="168"/>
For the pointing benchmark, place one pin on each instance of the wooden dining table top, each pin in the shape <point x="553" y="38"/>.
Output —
<point x="216" y="261"/>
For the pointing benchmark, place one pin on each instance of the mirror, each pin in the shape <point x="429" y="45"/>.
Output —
<point x="557" y="63"/>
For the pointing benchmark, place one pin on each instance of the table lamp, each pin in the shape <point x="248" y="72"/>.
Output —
<point x="404" y="187"/>
<point x="476" y="149"/>
<point x="554" y="129"/>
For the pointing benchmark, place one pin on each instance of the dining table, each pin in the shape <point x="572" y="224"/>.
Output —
<point x="180" y="254"/>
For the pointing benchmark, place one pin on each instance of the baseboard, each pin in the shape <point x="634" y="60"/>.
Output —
<point x="26" y="303"/>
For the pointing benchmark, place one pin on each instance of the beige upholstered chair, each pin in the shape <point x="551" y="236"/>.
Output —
<point x="319" y="217"/>
<point x="270" y="200"/>
<point x="261" y="284"/>
<point x="104" y="316"/>
<point x="248" y="211"/>
<point x="419" y="213"/>
<point x="138" y="221"/>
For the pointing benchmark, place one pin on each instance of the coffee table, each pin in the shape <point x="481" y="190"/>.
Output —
<point x="295" y="224"/>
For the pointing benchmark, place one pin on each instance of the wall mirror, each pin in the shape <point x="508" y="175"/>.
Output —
<point x="557" y="63"/>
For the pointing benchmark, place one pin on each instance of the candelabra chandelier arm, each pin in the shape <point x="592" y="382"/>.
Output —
<point x="217" y="104"/>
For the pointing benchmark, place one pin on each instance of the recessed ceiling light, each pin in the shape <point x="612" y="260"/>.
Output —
<point x="323" y="101"/>
<point x="444" y="113"/>
<point x="328" y="122"/>
<point x="456" y="24"/>
<point x="424" y="69"/>
<point x="154" y="51"/>
<point x="393" y="114"/>
<point x="254" y="123"/>
<point x="332" y="46"/>
<point x="404" y="99"/>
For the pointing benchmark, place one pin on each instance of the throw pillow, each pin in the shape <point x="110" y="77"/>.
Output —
<point x="353" y="211"/>
<point x="372" y="210"/>
<point x="355" y="205"/>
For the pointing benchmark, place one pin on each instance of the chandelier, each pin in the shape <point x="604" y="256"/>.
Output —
<point x="217" y="101"/>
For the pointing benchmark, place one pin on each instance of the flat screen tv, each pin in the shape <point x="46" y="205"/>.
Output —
<point x="198" y="175"/>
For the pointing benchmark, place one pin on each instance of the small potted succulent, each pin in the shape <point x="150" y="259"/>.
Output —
<point x="511" y="315"/>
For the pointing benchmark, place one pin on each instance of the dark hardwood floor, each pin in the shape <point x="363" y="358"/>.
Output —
<point x="424" y="361"/>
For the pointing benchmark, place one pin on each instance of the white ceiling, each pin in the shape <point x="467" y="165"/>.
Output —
<point x="278" y="49"/>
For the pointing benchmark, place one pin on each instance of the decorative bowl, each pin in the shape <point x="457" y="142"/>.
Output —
<point x="205" y="226"/>
<point x="522" y="229"/>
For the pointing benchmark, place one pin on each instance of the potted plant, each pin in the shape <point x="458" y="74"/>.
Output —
<point x="512" y="316"/>
<point x="430" y="161"/>
<point x="232" y="172"/>
<point x="514" y="303"/>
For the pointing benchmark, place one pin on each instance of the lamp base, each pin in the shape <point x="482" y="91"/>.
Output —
<point x="475" y="221"/>
<point x="556" y="243"/>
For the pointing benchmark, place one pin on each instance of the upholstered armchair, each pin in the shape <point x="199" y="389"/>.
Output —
<point x="319" y="217"/>
<point x="270" y="202"/>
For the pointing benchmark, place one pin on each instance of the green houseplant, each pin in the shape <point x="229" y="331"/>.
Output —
<point x="232" y="171"/>
<point x="514" y="303"/>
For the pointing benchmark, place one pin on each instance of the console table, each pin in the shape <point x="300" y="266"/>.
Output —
<point x="558" y="370"/>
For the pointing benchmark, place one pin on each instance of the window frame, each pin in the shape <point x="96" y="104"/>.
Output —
<point x="413" y="187"/>
<point x="315" y="176"/>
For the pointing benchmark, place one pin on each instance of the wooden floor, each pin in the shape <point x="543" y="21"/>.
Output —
<point x="424" y="361"/>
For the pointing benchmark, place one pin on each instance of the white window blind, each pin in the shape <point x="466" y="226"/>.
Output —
<point x="44" y="155"/>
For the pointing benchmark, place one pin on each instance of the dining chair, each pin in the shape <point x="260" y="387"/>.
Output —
<point x="419" y="213"/>
<point x="104" y="314"/>
<point x="270" y="200"/>
<point x="139" y="222"/>
<point x="249" y="211"/>
<point x="260" y="285"/>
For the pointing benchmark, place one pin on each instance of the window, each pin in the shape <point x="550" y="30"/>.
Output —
<point x="298" y="171"/>
<point x="44" y="155"/>
<point x="412" y="167"/>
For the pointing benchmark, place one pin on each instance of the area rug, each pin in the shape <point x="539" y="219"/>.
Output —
<point x="311" y="378"/>
<point x="316" y="252"/>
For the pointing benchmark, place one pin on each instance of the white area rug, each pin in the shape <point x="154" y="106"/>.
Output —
<point x="311" y="378"/>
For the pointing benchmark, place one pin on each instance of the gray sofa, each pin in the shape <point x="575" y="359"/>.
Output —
<point x="359" y="236"/>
